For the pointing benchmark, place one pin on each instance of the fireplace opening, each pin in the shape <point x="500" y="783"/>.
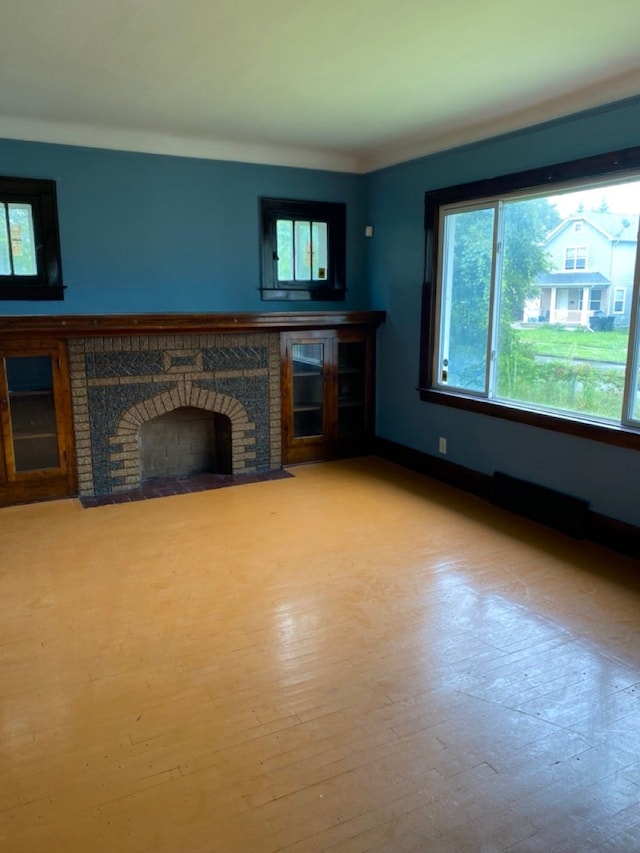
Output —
<point x="184" y="442"/>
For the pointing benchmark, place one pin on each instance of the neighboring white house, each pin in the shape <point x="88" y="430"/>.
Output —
<point x="593" y="256"/>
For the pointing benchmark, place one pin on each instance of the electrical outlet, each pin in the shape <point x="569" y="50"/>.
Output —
<point x="442" y="445"/>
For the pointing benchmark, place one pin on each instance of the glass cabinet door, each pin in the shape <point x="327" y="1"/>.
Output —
<point x="30" y="414"/>
<point x="327" y="393"/>
<point x="352" y="389"/>
<point x="308" y="381"/>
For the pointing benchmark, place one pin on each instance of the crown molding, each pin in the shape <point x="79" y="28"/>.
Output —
<point x="596" y="97"/>
<point x="148" y="142"/>
<point x="372" y="159"/>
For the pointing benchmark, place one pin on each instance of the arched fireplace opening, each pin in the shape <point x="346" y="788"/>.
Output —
<point x="184" y="442"/>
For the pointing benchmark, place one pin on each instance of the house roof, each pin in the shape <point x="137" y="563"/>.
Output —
<point x="615" y="226"/>
<point x="571" y="279"/>
<point x="338" y="84"/>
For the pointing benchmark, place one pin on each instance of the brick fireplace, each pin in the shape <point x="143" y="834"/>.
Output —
<point x="126" y="388"/>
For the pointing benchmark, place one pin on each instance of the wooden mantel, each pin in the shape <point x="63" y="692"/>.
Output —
<point x="76" y="325"/>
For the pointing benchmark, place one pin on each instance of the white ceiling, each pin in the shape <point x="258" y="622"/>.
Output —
<point x="337" y="84"/>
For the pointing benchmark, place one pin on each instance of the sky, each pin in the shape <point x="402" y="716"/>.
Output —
<point x="621" y="198"/>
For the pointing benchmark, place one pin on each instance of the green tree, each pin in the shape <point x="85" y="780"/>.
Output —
<point x="526" y="224"/>
<point x="472" y="279"/>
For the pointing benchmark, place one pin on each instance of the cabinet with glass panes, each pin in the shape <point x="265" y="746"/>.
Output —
<point x="327" y="393"/>
<point x="35" y="422"/>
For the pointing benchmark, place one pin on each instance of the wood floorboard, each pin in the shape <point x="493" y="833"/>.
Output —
<point x="354" y="658"/>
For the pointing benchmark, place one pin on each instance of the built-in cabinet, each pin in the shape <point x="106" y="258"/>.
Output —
<point x="327" y="363"/>
<point x="36" y="447"/>
<point x="327" y="393"/>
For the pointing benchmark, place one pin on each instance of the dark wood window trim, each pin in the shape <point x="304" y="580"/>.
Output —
<point x="334" y="214"/>
<point x="47" y="283"/>
<point x="599" y="166"/>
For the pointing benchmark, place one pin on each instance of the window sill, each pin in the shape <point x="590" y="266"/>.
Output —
<point x="614" y="434"/>
<point x="316" y="294"/>
<point x="31" y="292"/>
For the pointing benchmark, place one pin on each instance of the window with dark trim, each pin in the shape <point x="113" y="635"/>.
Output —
<point x="303" y="249"/>
<point x="30" y="267"/>
<point x="507" y="331"/>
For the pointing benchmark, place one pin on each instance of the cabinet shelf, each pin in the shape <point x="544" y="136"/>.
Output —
<point x="44" y="392"/>
<point x="29" y="436"/>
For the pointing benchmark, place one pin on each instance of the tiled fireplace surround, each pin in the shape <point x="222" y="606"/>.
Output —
<point x="119" y="383"/>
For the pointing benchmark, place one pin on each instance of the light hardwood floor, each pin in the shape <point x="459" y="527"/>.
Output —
<point x="353" y="659"/>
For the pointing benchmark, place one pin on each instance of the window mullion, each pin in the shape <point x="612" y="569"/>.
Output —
<point x="630" y="403"/>
<point x="7" y="228"/>
<point x="494" y="300"/>
<point x="294" y="251"/>
<point x="440" y="366"/>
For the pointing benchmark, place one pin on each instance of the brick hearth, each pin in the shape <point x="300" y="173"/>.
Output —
<point x="120" y="383"/>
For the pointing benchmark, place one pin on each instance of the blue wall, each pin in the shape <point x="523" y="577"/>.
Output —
<point x="606" y="476"/>
<point x="146" y="233"/>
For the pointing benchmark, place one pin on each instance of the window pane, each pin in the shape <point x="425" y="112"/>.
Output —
<point x="464" y="309"/>
<point x="319" y="251"/>
<point x="302" y="232"/>
<point x="635" y="395"/>
<point x="557" y="348"/>
<point x="581" y="258"/>
<point x="22" y="240"/>
<point x="5" y="259"/>
<point x="352" y="362"/>
<point x="284" y="243"/>
<point x="32" y="412"/>
<point x="308" y="387"/>
<point x="633" y="411"/>
<point x="302" y="250"/>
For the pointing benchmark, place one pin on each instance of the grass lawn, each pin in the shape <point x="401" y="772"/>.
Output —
<point x="576" y="343"/>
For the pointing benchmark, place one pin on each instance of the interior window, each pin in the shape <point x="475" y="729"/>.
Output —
<point x="30" y="266"/>
<point x="303" y="250"/>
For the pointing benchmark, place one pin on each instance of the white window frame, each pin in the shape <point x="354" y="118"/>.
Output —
<point x="623" y="291"/>
<point x="579" y="253"/>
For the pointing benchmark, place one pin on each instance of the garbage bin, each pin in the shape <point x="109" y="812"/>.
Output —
<point x="600" y="322"/>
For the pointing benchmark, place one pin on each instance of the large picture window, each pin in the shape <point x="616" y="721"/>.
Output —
<point x="520" y="321"/>
<point x="30" y="267"/>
